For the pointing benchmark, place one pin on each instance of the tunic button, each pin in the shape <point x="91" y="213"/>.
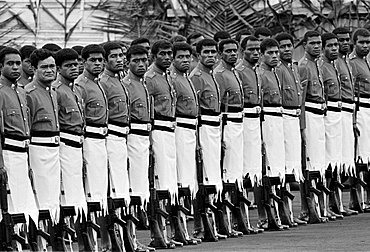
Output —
<point x="47" y="88"/>
<point x="24" y="119"/>
<point x="22" y="105"/>
<point x="73" y="109"/>
<point x="97" y="104"/>
<point x="46" y="117"/>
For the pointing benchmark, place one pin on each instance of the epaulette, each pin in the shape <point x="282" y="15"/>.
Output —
<point x="197" y="73"/>
<point x="219" y="69"/>
<point x="352" y="56"/>
<point x="126" y="81"/>
<point x="240" y="67"/>
<point x="29" y="88"/>
<point x="56" y="84"/>
<point x="149" y="75"/>
<point x="1" y="85"/>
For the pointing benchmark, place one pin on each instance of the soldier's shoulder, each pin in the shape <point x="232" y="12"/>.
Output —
<point x="150" y="74"/>
<point x="219" y="69"/>
<point x="303" y="62"/>
<point x="1" y="86"/>
<point x="126" y="81"/>
<point x="30" y="87"/>
<point x="352" y="56"/>
<point x="240" y="67"/>
<point x="56" y="84"/>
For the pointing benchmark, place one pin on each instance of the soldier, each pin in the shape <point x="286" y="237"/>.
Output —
<point x="252" y="161"/>
<point x="193" y="40"/>
<point x="221" y="35"/>
<point x="15" y="134"/>
<point x="209" y="138"/>
<point x="262" y="33"/>
<point x="272" y="124"/>
<point x="52" y="47"/>
<point x="361" y="75"/>
<point x="348" y="122"/>
<point x="312" y="122"/>
<point x="163" y="135"/>
<point x="27" y="70"/>
<point x="118" y="128"/>
<point x="78" y="49"/>
<point x="44" y="158"/>
<point x="96" y="118"/>
<point x="138" y="139"/>
<point x="71" y="136"/>
<point x="185" y="134"/>
<point x="291" y="101"/>
<point x="242" y="34"/>
<point x="231" y="95"/>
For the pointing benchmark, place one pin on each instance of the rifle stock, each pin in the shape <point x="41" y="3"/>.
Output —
<point x="7" y="224"/>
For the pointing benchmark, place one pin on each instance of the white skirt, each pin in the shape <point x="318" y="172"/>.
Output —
<point x="164" y="149"/>
<point x="96" y="178"/>
<point x="363" y="145"/>
<point x="333" y="139"/>
<point x="273" y="136"/>
<point x="138" y="154"/>
<point x="73" y="193"/>
<point x="45" y="165"/>
<point x="233" y="160"/>
<point x="185" y="159"/>
<point x="292" y="142"/>
<point x="210" y="141"/>
<point x="348" y="144"/>
<point x="118" y="174"/>
<point x="315" y="142"/>
<point x="21" y="198"/>
<point x="252" y="156"/>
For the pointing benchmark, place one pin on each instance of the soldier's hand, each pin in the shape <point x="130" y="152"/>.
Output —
<point x="3" y="174"/>
<point x="356" y="130"/>
<point x="303" y="137"/>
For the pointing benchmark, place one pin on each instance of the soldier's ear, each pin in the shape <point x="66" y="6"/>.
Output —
<point x="58" y="69"/>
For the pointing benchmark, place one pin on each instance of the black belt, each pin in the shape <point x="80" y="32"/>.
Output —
<point x="315" y="111"/>
<point x="272" y="113"/>
<point x="333" y="109"/>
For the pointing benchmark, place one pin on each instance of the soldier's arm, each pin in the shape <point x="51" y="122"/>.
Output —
<point x="222" y="85"/>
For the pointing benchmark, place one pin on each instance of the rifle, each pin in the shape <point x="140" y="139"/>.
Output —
<point x="7" y="224"/>
<point x="115" y="225"/>
<point x="209" y="234"/>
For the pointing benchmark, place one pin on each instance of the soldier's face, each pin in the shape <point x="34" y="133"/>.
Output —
<point x="46" y="70"/>
<point x="94" y="63"/>
<point x="182" y="60"/>
<point x="230" y="53"/>
<point x="69" y="69"/>
<point x="138" y="64"/>
<point x="313" y="46"/>
<point x="27" y="67"/>
<point x="11" y="69"/>
<point x="286" y="50"/>
<point x="362" y="45"/>
<point x="115" y="61"/>
<point x="208" y="56"/>
<point x="270" y="56"/>
<point x="344" y="41"/>
<point x="252" y="51"/>
<point x="81" y="65"/>
<point x="163" y="58"/>
<point x="331" y="49"/>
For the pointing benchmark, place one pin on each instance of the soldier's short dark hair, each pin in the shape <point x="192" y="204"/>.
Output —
<point x="181" y="46"/>
<point x="92" y="48"/>
<point x="140" y="41"/>
<point x="341" y="30"/>
<point x="268" y="43"/>
<point x="134" y="50"/>
<point x="78" y="49"/>
<point x="160" y="44"/>
<point x="7" y="50"/>
<point x="220" y="35"/>
<point x="51" y="47"/>
<point x="284" y="36"/>
<point x="26" y="51"/>
<point x="206" y="42"/>
<point x="226" y="41"/>
<point x="360" y="32"/>
<point x="326" y="36"/>
<point x="240" y="33"/>
<point x="109" y="46"/>
<point x="64" y="55"/>
<point x="177" y="38"/>
<point x="193" y="35"/>
<point x="262" y="31"/>
<point x="310" y="34"/>
<point x="38" y="55"/>
<point x="243" y="45"/>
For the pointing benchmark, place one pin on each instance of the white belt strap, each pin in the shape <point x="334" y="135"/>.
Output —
<point x="139" y="126"/>
<point x="191" y="121"/>
<point x="234" y="115"/>
<point x="167" y="124"/>
<point x="97" y="130"/>
<point x="71" y="137"/>
<point x="348" y="105"/>
<point x="272" y="109"/>
<point x="337" y="104"/>
<point x="315" y="105"/>
<point x="364" y="100"/>
<point x="45" y="140"/>
<point x="254" y="110"/>
<point x="16" y="143"/>
<point x="210" y="118"/>
<point x="294" y="112"/>
<point x="122" y="130"/>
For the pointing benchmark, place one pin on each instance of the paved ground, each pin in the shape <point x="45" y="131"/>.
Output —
<point x="350" y="234"/>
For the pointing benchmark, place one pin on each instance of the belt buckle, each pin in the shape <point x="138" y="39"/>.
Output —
<point x="173" y="126"/>
<point x="26" y="143"/>
<point x="105" y="130"/>
<point x="81" y="139"/>
<point x="148" y="127"/>
<point x="258" y="110"/>
<point x="281" y="110"/>
<point x="298" y="112"/>
<point x="339" y="104"/>
<point x="323" y="106"/>
<point x="56" y="139"/>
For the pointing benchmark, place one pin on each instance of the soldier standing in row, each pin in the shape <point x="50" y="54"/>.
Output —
<point x="27" y="70"/>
